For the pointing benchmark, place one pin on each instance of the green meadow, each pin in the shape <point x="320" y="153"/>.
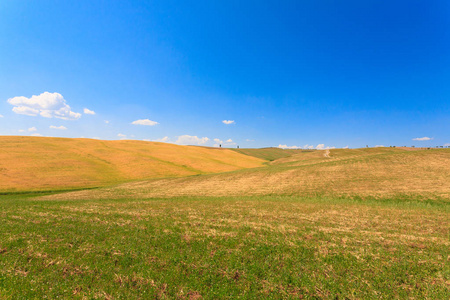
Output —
<point x="280" y="247"/>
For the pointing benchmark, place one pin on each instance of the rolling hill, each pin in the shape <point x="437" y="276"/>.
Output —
<point x="378" y="172"/>
<point x="42" y="163"/>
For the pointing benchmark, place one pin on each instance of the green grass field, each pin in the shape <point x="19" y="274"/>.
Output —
<point x="351" y="224"/>
<point x="213" y="247"/>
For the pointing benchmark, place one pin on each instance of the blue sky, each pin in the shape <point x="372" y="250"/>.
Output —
<point x="295" y="73"/>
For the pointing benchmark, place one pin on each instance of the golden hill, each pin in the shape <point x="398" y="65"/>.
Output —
<point x="41" y="163"/>
<point x="370" y="171"/>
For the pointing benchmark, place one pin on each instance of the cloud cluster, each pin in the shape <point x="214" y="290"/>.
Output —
<point x="47" y="105"/>
<point x="219" y="142"/>
<point x="228" y="122"/>
<point x="31" y="129"/>
<point x="145" y="122"/>
<point x="1" y="116"/>
<point x="122" y="136"/>
<point x="88" y="111"/>
<point x="163" y="140"/>
<point x="289" y="147"/>
<point x="191" y="140"/>
<point x="425" y="138"/>
<point x="318" y="147"/>
<point x="58" y="127"/>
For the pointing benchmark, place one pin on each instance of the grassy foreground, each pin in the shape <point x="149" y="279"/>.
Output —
<point x="213" y="247"/>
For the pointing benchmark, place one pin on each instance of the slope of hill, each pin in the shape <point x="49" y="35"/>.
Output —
<point x="269" y="154"/>
<point x="380" y="172"/>
<point x="41" y="163"/>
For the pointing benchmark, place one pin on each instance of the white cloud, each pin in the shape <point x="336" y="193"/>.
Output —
<point x="88" y="111"/>
<point x="228" y="122"/>
<point x="191" y="140"/>
<point x="321" y="147"/>
<point x="249" y="140"/>
<point x="32" y="129"/>
<point x="1" y="116"/>
<point x="36" y="134"/>
<point x="288" y="147"/>
<point x="163" y="140"/>
<point x="58" y="127"/>
<point x="106" y="121"/>
<point x="23" y="110"/>
<point x="219" y="142"/>
<point x="229" y="142"/>
<point x="425" y="138"/>
<point x="121" y="135"/>
<point x="346" y="147"/>
<point x="308" y="146"/>
<point x="145" y="122"/>
<point x="447" y="145"/>
<point x="47" y="105"/>
<point x="22" y="130"/>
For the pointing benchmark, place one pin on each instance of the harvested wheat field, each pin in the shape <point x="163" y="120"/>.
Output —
<point x="378" y="172"/>
<point x="41" y="163"/>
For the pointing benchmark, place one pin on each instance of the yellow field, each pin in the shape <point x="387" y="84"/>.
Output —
<point x="378" y="172"/>
<point x="41" y="163"/>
